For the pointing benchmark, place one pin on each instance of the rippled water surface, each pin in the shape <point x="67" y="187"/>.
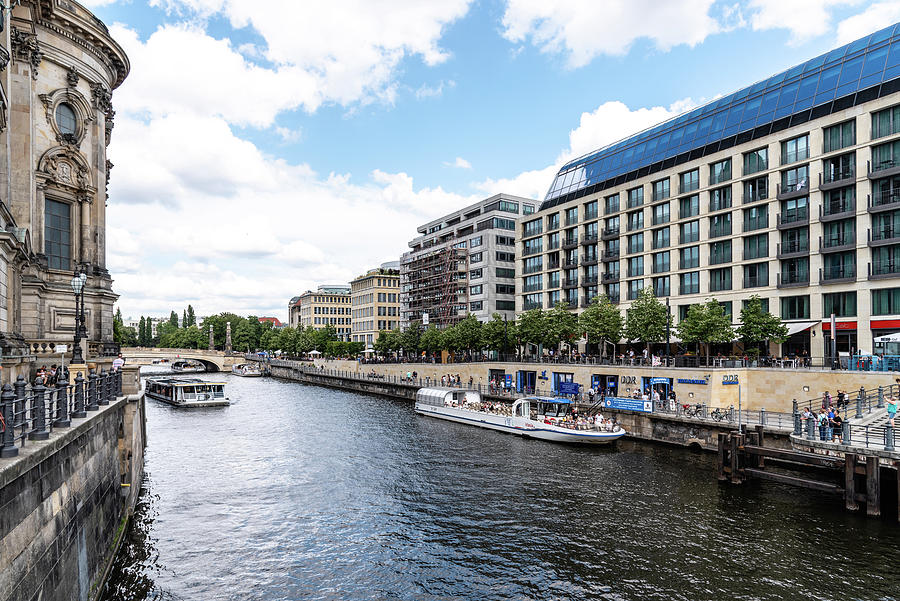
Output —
<point x="299" y="492"/>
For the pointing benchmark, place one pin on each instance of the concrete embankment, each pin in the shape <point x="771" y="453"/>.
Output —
<point x="662" y="428"/>
<point x="65" y="501"/>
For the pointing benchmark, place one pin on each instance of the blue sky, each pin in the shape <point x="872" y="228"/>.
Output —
<point x="265" y="147"/>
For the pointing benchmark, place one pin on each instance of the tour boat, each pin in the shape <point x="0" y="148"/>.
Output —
<point x="247" y="370"/>
<point x="544" y="418"/>
<point x="187" y="392"/>
<point x="187" y="366"/>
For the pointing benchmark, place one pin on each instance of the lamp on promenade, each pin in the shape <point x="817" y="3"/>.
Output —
<point x="80" y="330"/>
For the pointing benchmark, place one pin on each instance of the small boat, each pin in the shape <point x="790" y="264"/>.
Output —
<point x="544" y="418"/>
<point x="247" y="370"/>
<point x="187" y="392"/>
<point x="184" y="367"/>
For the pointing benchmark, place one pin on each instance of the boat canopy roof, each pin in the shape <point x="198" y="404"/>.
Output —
<point x="438" y="395"/>
<point x="548" y="399"/>
<point x="184" y="381"/>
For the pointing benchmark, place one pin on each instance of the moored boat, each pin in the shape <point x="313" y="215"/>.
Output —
<point x="246" y="370"/>
<point x="544" y="418"/>
<point x="187" y="392"/>
<point x="187" y="367"/>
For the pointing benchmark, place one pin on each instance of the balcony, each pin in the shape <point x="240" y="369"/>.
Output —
<point x="883" y="236"/>
<point x="609" y="233"/>
<point x="884" y="168"/>
<point x="685" y="187"/>
<point x="883" y="270"/>
<point x="553" y="244"/>
<point x="610" y="209"/>
<point x="754" y="196"/>
<point x="588" y="239"/>
<point x="884" y="200"/>
<point x="790" y="191"/>
<point x="792" y="250"/>
<point x="756" y="224"/>
<point x="609" y="278"/>
<point x="792" y="280"/>
<point x="689" y="264"/>
<point x="589" y="280"/>
<point x="569" y="283"/>
<point x="533" y="287"/>
<point x="529" y="305"/>
<point x="795" y="155"/>
<point x="527" y="252"/>
<point x="689" y="289"/>
<point x="551" y="264"/>
<point x="588" y="215"/>
<point x="837" y="274"/>
<point x="609" y="255"/>
<point x="570" y="263"/>
<point x="532" y="269"/>
<point x="588" y="259"/>
<point x="719" y="258"/>
<point x="570" y="242"/>
<point x="835" y="211"/>
<point x="793" y="218"/>
<point x="657" y="196"/>
<point x="833" y="244"/>
<point x="531" y="232"/>
<point x="756" y="281"/>
<point x="837" y="178"/>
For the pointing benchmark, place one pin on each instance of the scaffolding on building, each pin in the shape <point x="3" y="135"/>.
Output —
<point x="436" y="283"/>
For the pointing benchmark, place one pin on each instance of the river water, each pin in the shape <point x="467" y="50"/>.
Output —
<point x="300" y="492"/>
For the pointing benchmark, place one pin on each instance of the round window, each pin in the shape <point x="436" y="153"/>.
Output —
<point x="65" y="118"/>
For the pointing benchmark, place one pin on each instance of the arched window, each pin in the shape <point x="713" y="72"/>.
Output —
<point x="65" y="119"/>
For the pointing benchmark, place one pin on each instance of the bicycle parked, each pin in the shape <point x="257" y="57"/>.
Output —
<point x="692" y="410"/>
<point x="720" y="414"/>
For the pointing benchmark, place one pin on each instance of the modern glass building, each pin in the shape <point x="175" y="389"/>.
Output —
<point x="788" y="189"/>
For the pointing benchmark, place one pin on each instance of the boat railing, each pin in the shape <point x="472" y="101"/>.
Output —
<point x="32" y="413"/>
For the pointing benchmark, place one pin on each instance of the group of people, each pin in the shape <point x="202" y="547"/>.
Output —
<point x="576" y="421"/>
<point x="451" y="380"/>
<point x="50" y="376"/>
<point x="828" y="420"/>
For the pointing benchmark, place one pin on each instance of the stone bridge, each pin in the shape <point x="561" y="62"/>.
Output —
<point x="212" y="360"/>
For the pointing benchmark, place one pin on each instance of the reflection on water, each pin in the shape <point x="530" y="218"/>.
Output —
<point x="299" y="492"/>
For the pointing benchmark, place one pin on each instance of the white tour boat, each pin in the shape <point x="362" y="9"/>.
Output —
<point x="544" y="418"/>
<point x="187" y="392"/>
<point x="247" y="370"/>
<point x="183" y="367"/>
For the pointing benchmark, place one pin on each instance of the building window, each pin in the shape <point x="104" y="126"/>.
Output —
<point x="529" y="229"/>
<point x="533" y="283"/>
<point x="661" y="214"/>
<point x="720" y="172"/>
<point x="661" y="262"/>
<point x="527" y="209"/>
<point x="886" y="301"/>
<point x="476" y="258"/>
<point x="661" y="238"/>
<point x="886" y="122"/>
<point x="475" y="290"/>
<point x="611" y="204"/>
<point x="756" y="247"/>
<point x="505" y="305"/>
<point x="795" y="149"/>
<point x="503" y="272"/>
<point x="842" y="304"/>
<point x="756" y="161"/>
<point x="720" y="252"/>
<point x="571" y="216"/>
<point x="756" y="218"/>
<point x="504" y="224"/>
<point x="505" y="257"/>
<point x="840" y="136"/>
<point x="553" y="279"/>
<point x="635" y="243"/>
<point x="756" y="189"/>
<point x="635" y="266"/>
<point x="689" y="283"/>
<point x="689" y="181"/>
<point x="661" y="286"/>
<point x="689" y="207"/>
<point x="795" y="210"/>
<point x="720" y="279"/>
<point x="590" y="210"/>
<point x="553" y="298"/>
<point x="509" y="207"/>
<point x="635" y="197"/>
<point x="506" y="288"/>
<point x="57" y="234"/>
<point x="533" y="265"/>
<point x="720" y="199"/>
<point x="475" y="274"/>
<point x="65" y="119"/>
<point x="689" y="258"/>
<point x="533" y="246"/>
<point x="660" y="189"/>
<point x="689" y="232"/>
<point x="720" y="225"/>
<point x="553" y="222"/>
<point x="795" y="307"/>
<point x="886" y="156"/>
<point x="532" y="301"/>
<point x="763" y="302"/>
<point x="635" y="221"/>
<point x="756" y="275"/>
<point x="634" y="288"/>
<point x="476" y="305"/>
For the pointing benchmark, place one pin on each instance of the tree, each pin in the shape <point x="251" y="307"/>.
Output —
<point x="411" y="338"/>
<point x="562" y="325"/>
<point x="601" y="321"/>
<point x="431" y="340"/>
<point x="144" y="332"/>
<point x="706" y="323"/>
<point x="646" y="320"/>
<point x="468" y="334"/>
<point x="173" y="319"/>
<point x="244" y="336"/>
<point x="496" y="335"/>
<point x="191" y="318"/>
<point x="184" y="320"/>
<point x="532" y="327"/>
<point x="385" y="343"/>
<point x="758" y="326"/>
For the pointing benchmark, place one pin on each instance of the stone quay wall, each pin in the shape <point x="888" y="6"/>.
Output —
<point x="65" y="502"/>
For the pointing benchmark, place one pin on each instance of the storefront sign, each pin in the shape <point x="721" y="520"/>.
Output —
<point x="730" y="379"/>
<point x="692" y="381"/>
<point x="568" y="388"/>
<point x="628" y="404"/>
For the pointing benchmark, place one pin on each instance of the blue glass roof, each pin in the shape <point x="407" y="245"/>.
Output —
<point x="844" y="71"/>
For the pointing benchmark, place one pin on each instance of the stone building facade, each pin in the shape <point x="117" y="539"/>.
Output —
<point x="375" y="300"/>
<point x="329" y="305"/>
<point x="57" y="121"/>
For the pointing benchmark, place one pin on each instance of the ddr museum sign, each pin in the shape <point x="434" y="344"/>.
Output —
<point x="628" y="404"/>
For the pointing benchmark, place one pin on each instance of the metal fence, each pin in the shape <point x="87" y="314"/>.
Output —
<point x="31" y="413"/>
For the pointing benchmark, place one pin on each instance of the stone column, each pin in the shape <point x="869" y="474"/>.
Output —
<point x="212" y="344"/>
<point x="227" y="336"/>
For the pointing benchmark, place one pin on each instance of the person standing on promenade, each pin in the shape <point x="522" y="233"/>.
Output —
<point x="892" y="409"/>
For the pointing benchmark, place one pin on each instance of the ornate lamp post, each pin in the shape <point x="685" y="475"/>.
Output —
<point x="80" y="330"/>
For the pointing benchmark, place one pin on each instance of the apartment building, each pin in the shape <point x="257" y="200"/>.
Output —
<point x="462" y="263"/>
<point x="328" y="305"/>
<point x="375" y="303"/>
<point x="788" y="189"/>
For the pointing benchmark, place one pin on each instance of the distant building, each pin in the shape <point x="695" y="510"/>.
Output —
<point x="294" y="312"/>
<point x="154" y="322"/>
<point x="464" y="262"/>
<point x="276" y="323"/>
<point x="329" y="305"/>
<point x="375" y="302"/>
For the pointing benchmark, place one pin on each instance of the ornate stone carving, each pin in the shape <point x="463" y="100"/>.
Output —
<point x="72" y="77"/>
<point x="65" y="167"/>
<point x="109" y="166"/>
<point x="109" y="124"/>
<point x="102" y="97"/>
<point x="4" y="58"/>
<point x="25" y="47"/>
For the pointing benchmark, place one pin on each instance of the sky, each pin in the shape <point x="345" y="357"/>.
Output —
<point x="265" y="147"/>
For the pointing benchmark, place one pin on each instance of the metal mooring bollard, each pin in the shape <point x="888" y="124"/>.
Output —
<point x="104" y="387"/>
<point x="889" y="437"/>
<point x="79" y="411"/>
<point x="62" y="405"/>
<point x="859" y="402"/>
<point x="845" y="432"/>
<point x="881" y="397"/>
<point x="7" y="405"/>
<point x="762" y="416"/>
<point x="39" y="411"/>
<point x="811" y="428"/>
<point x="19" y="388"/>
<point x="92" y="391"/>
<point x="798" y="425"/>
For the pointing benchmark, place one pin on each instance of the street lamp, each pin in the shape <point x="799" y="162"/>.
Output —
<point x="80" y="330"/>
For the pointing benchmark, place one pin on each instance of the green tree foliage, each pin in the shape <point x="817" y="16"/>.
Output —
<point x="758" y="326"/>
<point x="646" y="320"/>
<point x="468" y="334"/>
<point x="411" y="339"/>
<point x="532" y="327"/>
<point x="191" y="318"/>
<point x="498" y="334"/>
<point x="562" y="326"/>
<point x="144" y="332"/>
<point x="431" y="340"/>
<point x="706" y="323"/>
<point x="601" y="322"/>
<point x="173" y="319"/>
<point x="123" y="336"/>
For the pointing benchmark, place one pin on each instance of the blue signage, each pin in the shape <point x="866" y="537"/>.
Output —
<point x="568" y="388"/>
<point x="628" y="404"/>
<point x="659" y="380"/>
<point x="692" y="381"/>
<point x="509" y="380"/>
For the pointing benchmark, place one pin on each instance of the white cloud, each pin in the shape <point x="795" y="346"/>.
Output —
<point x="805" y="19"/>
<point x="877" y="16"/>
<point x="288" y="135"/>
<point x="585" y="29"/>
<point x="426" y="91"/>
<point x="459" y="163"/>
<point x="96" y="3"/>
